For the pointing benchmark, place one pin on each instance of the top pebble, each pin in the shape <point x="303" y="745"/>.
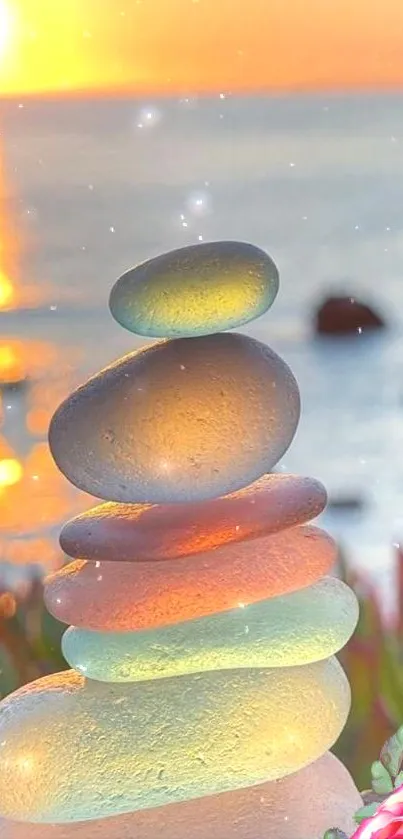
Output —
<point x="194" y="291"/>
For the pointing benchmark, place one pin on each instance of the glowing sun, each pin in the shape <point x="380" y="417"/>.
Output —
<point x="5" y="27"/>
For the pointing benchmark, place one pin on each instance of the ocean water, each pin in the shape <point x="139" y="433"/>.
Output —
<point x="92" y="187"/>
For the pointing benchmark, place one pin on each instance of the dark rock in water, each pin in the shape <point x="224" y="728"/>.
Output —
<point x="346" y="504"/>
<point x="346" y="315"/>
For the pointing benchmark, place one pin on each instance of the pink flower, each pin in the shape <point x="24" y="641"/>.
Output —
<point x="387" y="822"/>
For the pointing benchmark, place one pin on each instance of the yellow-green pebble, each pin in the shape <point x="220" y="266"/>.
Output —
<point x="197" y="290"/>
<point x="74" y="749"/>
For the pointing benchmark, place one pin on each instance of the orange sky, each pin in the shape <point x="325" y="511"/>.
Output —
<point x="199" y="45"/>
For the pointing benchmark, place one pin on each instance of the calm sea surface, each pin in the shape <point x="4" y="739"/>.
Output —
<point x="92" y="187"/>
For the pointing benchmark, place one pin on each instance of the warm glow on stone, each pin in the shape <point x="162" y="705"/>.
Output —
<point x="198" y="290"/>
<point x="129" y="596"/>
<point x="280" y="809"/>
<point x="178" y="421"/>
<point x="299" y="628"/>
<point x="73" y="749"/>
<point x="137" y="532"/>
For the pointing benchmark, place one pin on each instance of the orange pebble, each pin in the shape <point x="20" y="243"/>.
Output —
<point x="130" y="596"/>
<point x="137" y="532"/>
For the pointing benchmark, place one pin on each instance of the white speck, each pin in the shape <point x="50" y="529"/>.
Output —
<point x="304" y="218"/>
<point x="387" y="228"/>
<point x="198" y="203"/>
<point x="35" y="477"/>
<point x="53" y="308"/>
<point x="200" y="238"/>
<point x="91" y="186"/>
<point x="9" y="407"/>
<point x="112" y="229"/>
<point x="357" y="227"/>
<point x="292" y="165"/>
<point x="148" y="117"/>
<point x="359" y="330"/>
<point x="237" y="528"/>
<point x="182" y="367"/>
<point x="241" y="605"/>
<point x="97" y="564"/>
<point x="222" y="95"/>
<point x="20" y="105"/>
<point x="99" y="578"/>
<point x="58" y="601"/>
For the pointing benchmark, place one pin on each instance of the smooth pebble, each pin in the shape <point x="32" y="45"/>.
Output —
<point x="73" y="749"/>
<point x="302" y="805"/>
<point x="179" y="421"/>
<point x="137" y="532"/>
<point x="299" y="628"/>
<point x="140" y="595"/>
<point x="196" y="290"/>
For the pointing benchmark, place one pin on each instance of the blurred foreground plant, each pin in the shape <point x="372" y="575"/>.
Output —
<point x="373" y="661"/>
<point x="29" y="637"/>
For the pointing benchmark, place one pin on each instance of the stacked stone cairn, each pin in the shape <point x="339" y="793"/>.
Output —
<point x="204" y="692"/>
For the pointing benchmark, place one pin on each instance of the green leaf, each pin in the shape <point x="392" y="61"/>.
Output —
<point x="8" y="676"/>
<point x="366" y="812"/>
<point x="334" y="833"/>
<point x="382" y="782"/>
<point x="392" y="754"/>
<point x="391" y="691"/>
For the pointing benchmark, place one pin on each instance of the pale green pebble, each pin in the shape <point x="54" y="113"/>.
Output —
<point x="294" y="629"/>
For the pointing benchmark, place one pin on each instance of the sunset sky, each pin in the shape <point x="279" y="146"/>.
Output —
<point x="199" y="45"/>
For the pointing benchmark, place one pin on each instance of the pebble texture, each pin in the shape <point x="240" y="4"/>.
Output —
<point x="131" y="596"/>
<point x="179" y="421"/>
<point x="197" y="290"/>
<point x="138" y="532"/>
<point x="300" y="806"/>
<point x="300" y="628"/>
<point x="73" y="749"/>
